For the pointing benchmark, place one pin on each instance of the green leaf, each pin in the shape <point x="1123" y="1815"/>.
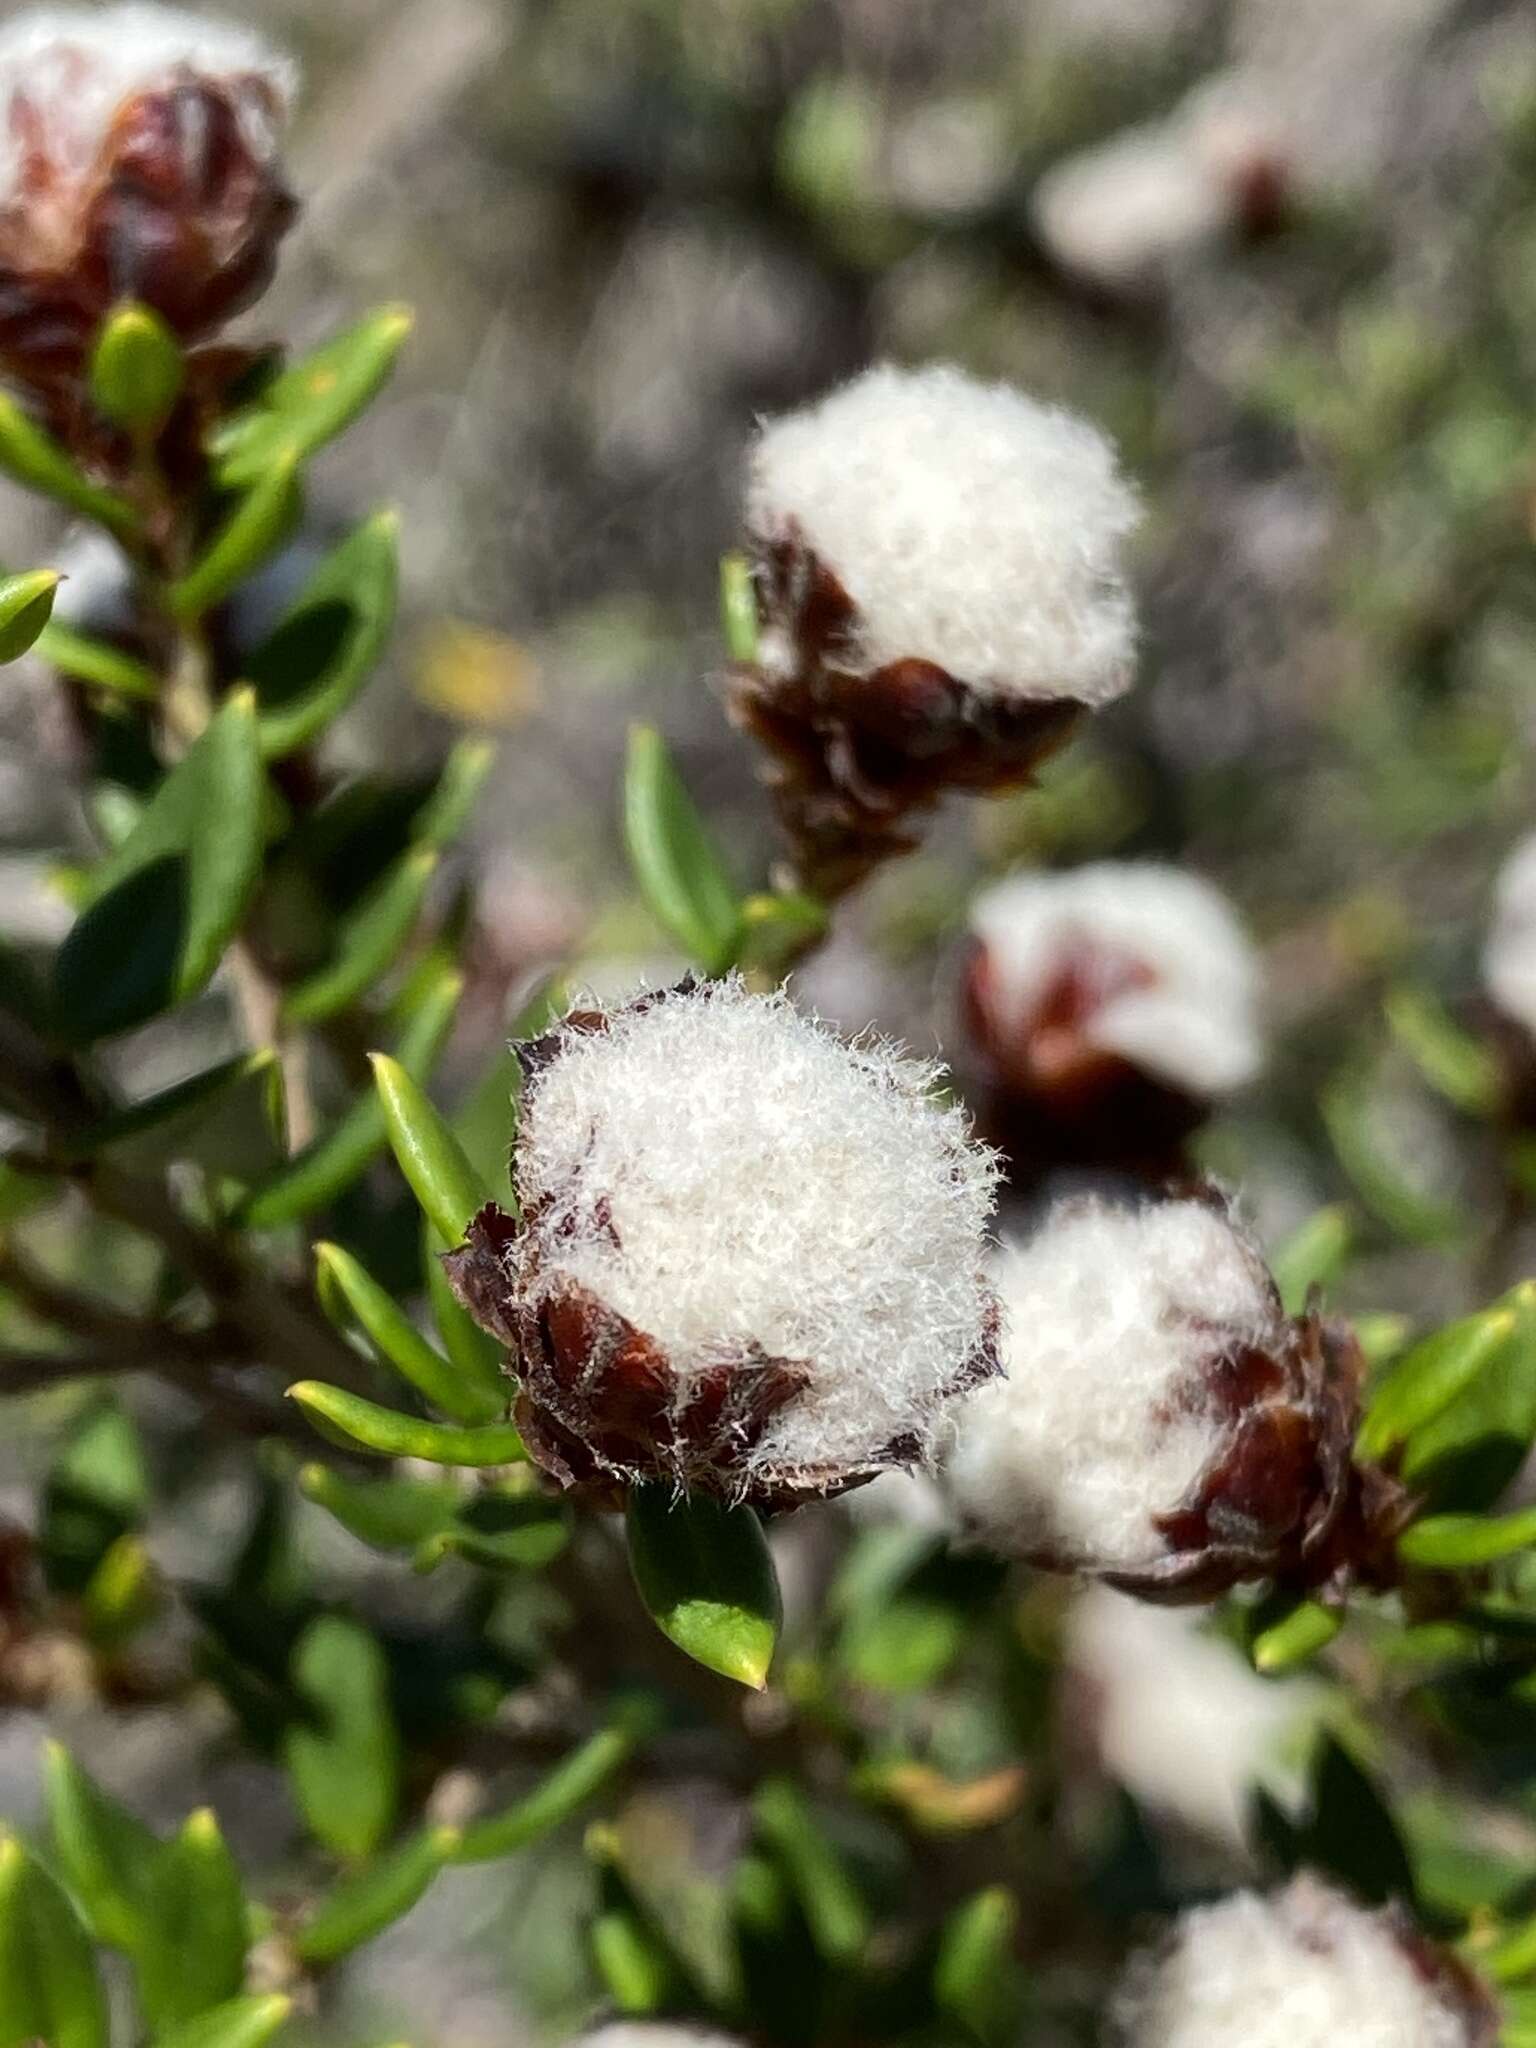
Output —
<point x="429" y="1155"/>
<point x="368" y="941"/>
<point x="510" y="1528"/>
<point x="345" y="1762"/>
<point x="1453" y="1062"/>
<point x="1289" y="1631"/>
<point x="375" y="1897"/>
<point x="391" y="1514"/>
<point x="326" y="1167"/>
<point x="49" y="1990"/>
<point x="136" y="369"/>
<point x="974" y="1970"/>
<point x="776" y="929"/>
<point x="94" y="661"/>
<point x="1460" y="1542"/>
<point x="904" y="1646"/>
<point x="357" y="1424"/>
<point x="1430" y="1377"/>
<point x="446" y="811"/>
<point x="96" y="1491"/>
<point x="838" y="1918"/>
<point x="738" y="608"/>
<point x="313" y="401"/>
<point x="1462" y="1459"/>
<point x="681" y="877"/>
<point x="35" y="459"/>
<point x="260" y="523"/>
<point x="1313" y="1257"/>
<point x="106" y="1855"/>
<point x="163" y="907"/>
<point x="568" y="1787"/>
<point x="238" y="2023"/>
<point x="705" y="1574"/>
<point x="192" y="1951"/>
<point x="402" y="1345"/>
<point x="635" y="1968"/>
<point x="229" y="1118"/>
<point x="323" y="650"/>
<point x="1416" y="1217"/>
<point x="26" y="603"/>
<point x="122" y="1594"/>
<point x="1352" y="1833"/>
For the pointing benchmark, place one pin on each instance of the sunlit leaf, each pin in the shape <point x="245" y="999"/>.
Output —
<point x="704" y="1571"/>
<point x="681" y="877"/>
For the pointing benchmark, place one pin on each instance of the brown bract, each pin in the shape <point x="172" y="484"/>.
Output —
<point x="1047" y="1096"/>
<point x="1459" y="1989"/>
<point x="856" y="752"/>
<point x="181" y="210"/>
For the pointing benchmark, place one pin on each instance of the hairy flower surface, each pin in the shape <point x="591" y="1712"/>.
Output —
<point x="940" y="594"/>
<point x="138" y="160"/>
<point x="751" y="1256"/>
<point x="1303" y="1968"/>
<point x="1162" y="1424"/>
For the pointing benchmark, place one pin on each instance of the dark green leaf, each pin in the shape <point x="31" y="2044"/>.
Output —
<point x="318" y="657"/>
<point x="367" y="943"/>
<point x="344" y="1762"/>
<point x="96" y="1491"/>
<point x="679" y="872"/>
<point x="1352" y="1834"/>
<point x="705" y="1574"/>
<point x="357" y="1424"/>
<point x="49" y="1990"/>
<point x="503" y="1529"/>
<point x="136" y="369"/>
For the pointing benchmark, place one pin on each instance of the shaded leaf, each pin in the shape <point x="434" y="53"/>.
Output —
<point x="256" y="528"/>
<point x="402" y="1345"/>
<point x="49" y="1989"/>
<point x="35" y="459"/>
<point x="681" y="876"/>
<point x="368" y="941"/>
<point x="705" y="1574"/>
<point x="344" y="1762"/>
<point x="314" y="662"/>
<point x="374" y="1898"/>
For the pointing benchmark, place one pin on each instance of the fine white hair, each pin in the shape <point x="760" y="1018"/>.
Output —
<point x="1509" y="957"/>
<point x="1303" y="1968"/>
<point x="1194" y="1024"/>
<point x="77" y="65"/>
<point x="653" y="2034"/>
<point x="1100" y="1425"/>
<point x="971" y="526"/>
<point x="736" y="1180"/>
<point x="1180" y="1717"/>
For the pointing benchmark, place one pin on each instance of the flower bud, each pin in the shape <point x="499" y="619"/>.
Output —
<point x="1163" y="1425"/>
<point x="750" y="1258"/>
<point x="1305" y="1967"/>
<point x="138" y="160"/>
<point x="1107" y="1009"/>
<point x="940" y="596"/>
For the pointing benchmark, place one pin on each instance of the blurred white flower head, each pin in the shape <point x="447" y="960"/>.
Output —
<point x="1303" y="1968"/>
<point x="969" y="525"/>
<point x="1509" y="955"/>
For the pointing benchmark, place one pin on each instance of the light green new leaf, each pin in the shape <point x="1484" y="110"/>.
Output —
<point x="707" y="1579"/>
<point x="1289" y="1631"/>
<point x="357" y="1424"/>
<point x="191" y="1954"/>
<point x="97" y="663"/>
<point x="106" y="1855"/>
<point x="162" y="908"/>
<point x="1462" y="1542"/>
<point x="35" y="459"/>
<point x="323" y="650"/>
<point x="402" y="1345"/>
<point x="367" y="942"/>
<point x="681" y="877"/>
<point x="26" y="604"/>
<point x="429" y="1155"/>
<point x="49" y="1989"/>
<point x="1463" y="1458"/>
<point x="344" y="1761"/>
<point x="255" y="529"/>
<point x="1425" y="1382"/>
<point x="375" y="1897"/>
<point x="239" y="2023"/>
<point x="137" y="369"/>
<point x="313" y="401"/>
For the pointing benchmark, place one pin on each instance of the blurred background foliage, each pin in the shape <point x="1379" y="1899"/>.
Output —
<point x="628" y="227"/>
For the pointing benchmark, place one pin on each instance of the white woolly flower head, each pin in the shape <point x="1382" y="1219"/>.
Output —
<point x="971" y="526"/>
<point x="653" y="2034"/>
<point x="1104" y="1420"/>
<point x="751" y="1193"/>
<point x="1303" y="1968"/>
<point x="1166" y="977"/>
<point x="1509" y="956"/>
<point x="64" y="73"/>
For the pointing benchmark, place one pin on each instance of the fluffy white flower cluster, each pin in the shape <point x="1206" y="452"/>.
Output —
<point x="1305" y="1968"/>
<point x="71" y="68"/>
<point x="970" y="526"/>
<point x="741" y="1186"/>
<point x="1104" y="1420"/>
<point x="1169" y="979"/>
<point x="1509" y="956"/>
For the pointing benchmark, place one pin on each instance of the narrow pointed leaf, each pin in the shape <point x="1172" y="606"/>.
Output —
<point x="228" y="1118"/>
<point x="136" y="369"/>
<point x="375" y="1897"/>
<point x="705" y="1574"/>
<point x="330" y="1163"/>
<point x="368" y="941"/>
<point x="314" y="400"/>
<point x="1313" y="1256"/>
<point x="321" y="653"/>
<point x="1462" y="1542"/>
<point x="835" y="1911"/>
<point x="105" y="1853"/>
<point x="94" y="661"/>
<point x="738" y="607"/>
<point x="391" y="1514"/>
<point x="681" y="877"/>
<point x="1463" y="1458"/>
<point x="1435" y="1373"/>
<point x="975" y="1964"/>
<point x="429" y="1155"/>
<point x="635" y="1968"/>
<point x="1453" y="1062"/>
<point x="248" y="2022"/>
<point x="1413" y="1214"/>
<point x="357" y="1424"/>
<point x="49" y="1989"/>
<point x="568" y="1787"/>
<point x="447" y="810"/>
<point x="191" y="1954"/>
<point x="32" y="457"/>
<point x="1289" y="1637"/>
<point x="255" y="529"/>
<point x="1352" y="1833"/>
<point x="402" y="1345"/>
<point x="26" y="604"/>
<point x="344" y="1762"/>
